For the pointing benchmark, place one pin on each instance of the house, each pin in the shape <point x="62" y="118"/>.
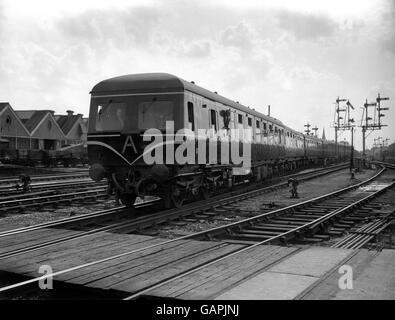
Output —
<point x="44" y="130"/>
<point x="12" y="128"/>
<point x="73" y="126"/>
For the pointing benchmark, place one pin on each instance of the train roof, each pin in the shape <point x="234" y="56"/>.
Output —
<point x="165" y="82"/>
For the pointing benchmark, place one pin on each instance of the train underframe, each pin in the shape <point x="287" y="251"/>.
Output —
<point x="178" y="185"/>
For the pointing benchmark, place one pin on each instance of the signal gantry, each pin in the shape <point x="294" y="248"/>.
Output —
<point x="372" y="121"/>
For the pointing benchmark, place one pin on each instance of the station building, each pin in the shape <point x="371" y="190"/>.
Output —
<point x="39" y="129"/>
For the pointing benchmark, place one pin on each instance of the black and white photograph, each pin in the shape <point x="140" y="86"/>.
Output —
<point x="196" y="155"/>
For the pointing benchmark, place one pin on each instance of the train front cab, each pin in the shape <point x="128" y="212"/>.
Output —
<point x="115" y="135"/>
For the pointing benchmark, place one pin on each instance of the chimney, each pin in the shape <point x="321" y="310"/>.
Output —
<point x="69" y="113"/>
<point x="268" y="110"/>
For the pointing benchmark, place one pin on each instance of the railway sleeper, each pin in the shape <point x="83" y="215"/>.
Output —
<point x="312" y="210"/>
<point x="254" y="237"/>
<point x="335" y="233"/>
<point x="215" y="213"/>
<point x="288" y="221"/>
<point x="320" y="206"/>
<point x="340" y="225"/>
<point x="307" y="216"/>
<point x="268" y="228"/>
<point x="292" y="218"/>
<point x="277" y="225"/>
<point x="321" y="236"/>
<point x="310" y="239"/>
<point x="267" y="233"/>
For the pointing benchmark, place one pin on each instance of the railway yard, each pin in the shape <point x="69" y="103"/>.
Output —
<point x="254" y="242"/>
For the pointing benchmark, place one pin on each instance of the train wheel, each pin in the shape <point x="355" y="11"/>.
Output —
<point x="128" y="199"/>
<point x="204" y="192"/>
<point x="177" y="196"/>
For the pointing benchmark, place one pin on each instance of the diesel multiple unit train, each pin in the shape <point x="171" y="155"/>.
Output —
<point x="123" y="109"/>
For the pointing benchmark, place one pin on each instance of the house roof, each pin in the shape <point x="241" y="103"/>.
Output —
<point x="35" y="119"/>
<point x="4" y="105"/>
<point x="66" y="123"/>
<point x="24" y="115"/>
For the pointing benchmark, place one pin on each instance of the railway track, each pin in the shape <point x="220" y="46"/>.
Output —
<point x="358" y="238"/>
<point x="49" y="188"/>
<point x="7" y="182"/>
<point x="303" y="228"/>
<point x="8" y="187"/>
<point x="120" y="219"/>
<point x="309" y="216"/>
<point x="51" y="198"/>
<point x="297" y="231"/>
<point x="373" y="221"/>
<point x="386" y="164"/>
<point x="314" y="220"/>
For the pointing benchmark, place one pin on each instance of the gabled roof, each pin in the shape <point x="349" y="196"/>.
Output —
<point x="66" y="123"/>
<point x="4" y="105"/>
<point x="25" y="115"/>
<point x="35" y="119"/>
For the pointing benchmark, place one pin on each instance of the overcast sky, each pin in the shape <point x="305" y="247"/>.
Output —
<point x="297" y="56"/>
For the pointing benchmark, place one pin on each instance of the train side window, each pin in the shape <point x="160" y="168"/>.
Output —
<point x="213" y="119"/>
<point x="249" y="122"/>
<point x="240" y="119"/>
<point x="264" y="127"/>
<point x="191" y="117"/>
<point x="257" y="124"/>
